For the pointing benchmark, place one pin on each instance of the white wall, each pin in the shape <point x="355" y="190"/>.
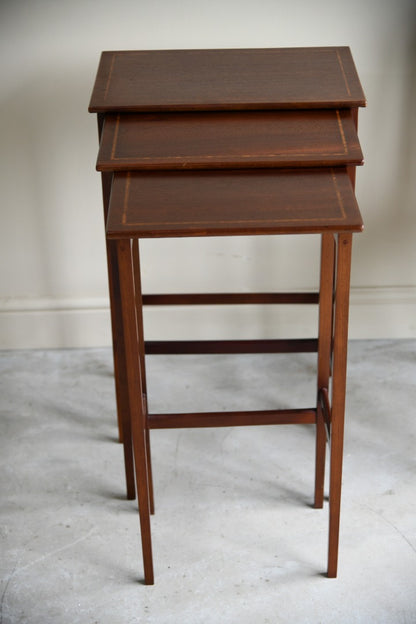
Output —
<point x="53" y="284"/>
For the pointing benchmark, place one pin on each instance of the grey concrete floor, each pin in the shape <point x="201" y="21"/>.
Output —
<point x="235" y="538"/>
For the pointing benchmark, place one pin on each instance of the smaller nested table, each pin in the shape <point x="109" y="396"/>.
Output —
<point x="201" y="143"/>
<point x="212" y="203"/>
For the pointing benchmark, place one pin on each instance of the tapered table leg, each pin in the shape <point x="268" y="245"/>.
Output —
<point x="123" y="409"/>
<point x="338" y="395"/>
<point x="106" y="179"/>
<point x="120" y="370"/>
<point x="140" y="332"/>
<point x="326" y="304"/>
<point x="136" y="398"/>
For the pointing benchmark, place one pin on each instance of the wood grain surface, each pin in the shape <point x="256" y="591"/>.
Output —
<point x="244" y="79"/>
<point x="229" y="140"/>
<point x="234" y="202"/>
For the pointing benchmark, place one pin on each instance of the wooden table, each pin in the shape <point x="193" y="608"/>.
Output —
<point x="229" y="143"/>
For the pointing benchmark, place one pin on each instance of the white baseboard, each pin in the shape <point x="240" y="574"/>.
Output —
<point x="48" y="323"/>
<point x="388" y="312"/>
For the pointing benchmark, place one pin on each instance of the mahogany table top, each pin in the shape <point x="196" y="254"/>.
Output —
<point x="230" y="79"/>
<point x="232" y="202"/>
<point x="229" y="140"/>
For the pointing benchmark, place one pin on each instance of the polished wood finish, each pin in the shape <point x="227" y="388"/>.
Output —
<point x="233" y="419"/>
<point x="120" y="376"/>
<point x="187" y="347"/>
<point x="229" y="143"/>
<point x="256" y="79"/>
<point x="232" y="203"/>
<point x="140" y="337"/>
<point x="325" y="405"/>
<point x="326" y="303"/>
<point x="294" y="298"/>
<point x="120" y="370"/>
<point x="338" y="394"/>
<point x="143" y="141"/>
<point x="136" y="398"/>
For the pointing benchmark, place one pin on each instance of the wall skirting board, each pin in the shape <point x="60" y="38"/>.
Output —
<point x="48" y="323"/>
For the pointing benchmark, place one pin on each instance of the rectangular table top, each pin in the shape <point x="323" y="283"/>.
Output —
<point x="231" y="202"/>
<point x="229" y="79"/>
<point x="229" y="140"/>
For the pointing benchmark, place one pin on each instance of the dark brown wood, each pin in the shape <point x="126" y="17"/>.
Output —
<point x="106" y="179"/>
<point x="326" y="410"/>
<point x="227" y="143"/>
<point x="232" y="419"/>
<point x="140" y="335"/>
<point x="229" y="140"/>
<point x="137" y="403"/>
<point x="120" y="375"/>
<point x="255" y="79"/>
<point x="352" y="170"/>
<point x="326" y="304"/>
<point x="231" y="203"/>
<point x="338" y="395"/>
<point x="149" y="466"/>
<point x="177" y="299"/>
<point x="120" y="369"/>
<point x="187" y="347"/>
<point x="326" y="290"/>
<point x="320" y="444"/>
